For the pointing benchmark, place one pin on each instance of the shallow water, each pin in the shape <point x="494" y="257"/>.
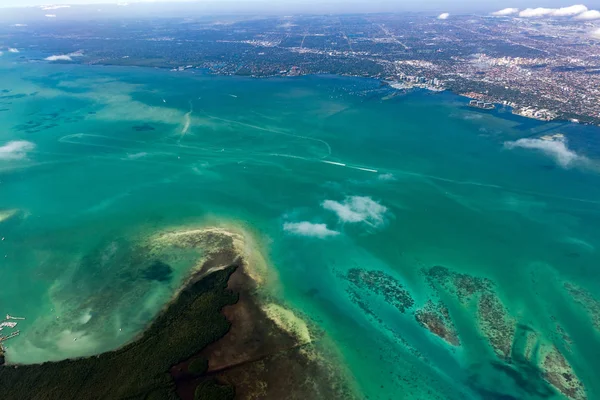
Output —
<point x="334" y="182"/>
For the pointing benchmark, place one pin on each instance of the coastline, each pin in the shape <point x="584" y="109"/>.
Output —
<point x="582" y="121"/>
<point x="260" y="358"/>
<point x="206" y="70"/>
<point x="217" y="315"/>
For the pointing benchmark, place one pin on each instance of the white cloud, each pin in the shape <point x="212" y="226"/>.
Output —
<point x="357" y="209"/>
<point x="589" y="15"/>
<point x="15" y="150"/>
<point x="50" y="15"/>
<point x="62" y="57"/>
<point x="13" y="50"/>
<point x="506" y="11"/>
<point x="556" y="149"/>
<point x="54" y="7"/>
<point x="535" y="12"/>
<point x="569" y="11"/>
<point x="553" y="12"/>
<point x="596" y="33"/>
<point x="19" y="25"/>
<point x="306" y="228"/>
<point x="443" y="16"/>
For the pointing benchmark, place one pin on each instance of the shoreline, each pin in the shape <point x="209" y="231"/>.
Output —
<point x="194" y="276"/>
<point x="258" y="353"/>
<point x="208" y="72"/>
<point x="219" y="314"/>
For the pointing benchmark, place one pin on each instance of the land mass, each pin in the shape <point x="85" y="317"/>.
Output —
<point x="543" y="68"/>
<point x="217" y="339"/>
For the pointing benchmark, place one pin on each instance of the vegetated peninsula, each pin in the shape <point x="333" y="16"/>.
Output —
<point x="217" y="339"/>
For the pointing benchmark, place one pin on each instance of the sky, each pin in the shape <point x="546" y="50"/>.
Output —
<point x="415" y="5"/>
<point x="279" y="7"/>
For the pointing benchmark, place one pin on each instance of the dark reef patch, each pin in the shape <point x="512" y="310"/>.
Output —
<point x="586" y="300"/>
<point x="436" y="319"/>
<point x="158" y="271"/>
<point x="462" y="285"/>
<point x="522" y="361"/>
<point x="382" y="284"/>
<point x="493" y="319"/>
<point x="13" y="96"/>
<point x="143" y="128"/>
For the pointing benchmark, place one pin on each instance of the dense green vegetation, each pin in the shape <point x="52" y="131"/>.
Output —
<point x="210" y="390"/>
<point x="198" y="366"/>
<point x="140" y="369"/>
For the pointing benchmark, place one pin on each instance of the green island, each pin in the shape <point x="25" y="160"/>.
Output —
<point x="222" y="335"/>
<point x="139" y="370"/>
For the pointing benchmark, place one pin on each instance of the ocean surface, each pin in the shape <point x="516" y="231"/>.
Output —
<point x="446" y="252"/>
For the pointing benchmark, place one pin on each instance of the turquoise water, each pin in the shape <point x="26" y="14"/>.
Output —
<point x="353" y="199"/>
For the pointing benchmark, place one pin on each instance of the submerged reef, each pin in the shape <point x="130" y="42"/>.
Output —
<point x="381" y="284"/>
<point x="559" y="373"/>
<point x="493" y="320"/>
<point x="158" y="271"/>
<point x="496" y="324"/>
<point x="436" y="319"/>
<point x="521" y="363"/>
<point x="587" y="300"/>
<point x="533" y="365"/>
<point x="463" y="286"/>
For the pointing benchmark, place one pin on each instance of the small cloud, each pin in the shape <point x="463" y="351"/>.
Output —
<point x="556" y="149"/>
<point x="50" y="15"/>
<point x="443" y="16"/>
<point x="54" y="7"/>
<point x="506" y="11"/>
<point x="62" y="57"/>
<point x="13" y="50"/>
<point x="589" y="15"/>
<point x="357" y="209"/>
<point x="18" y="25"/>
<point x="306" y="228"/>
<point x="15" y="150"/>
<point x="596" y="33"/>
